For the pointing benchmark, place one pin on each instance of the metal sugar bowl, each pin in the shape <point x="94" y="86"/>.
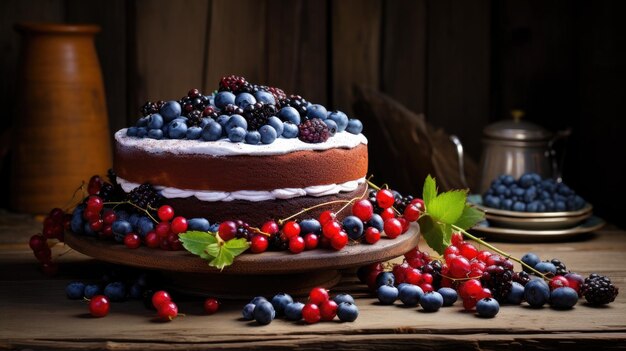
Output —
<point x="515" y="147"/>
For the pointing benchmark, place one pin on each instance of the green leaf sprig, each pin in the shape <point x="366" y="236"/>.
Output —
<point x="209" y="246"/>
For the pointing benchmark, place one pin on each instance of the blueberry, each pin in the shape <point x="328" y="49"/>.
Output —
<point x="332" y="126"/>
<point x="563" y="189"/>
<point x="526" y="180"/>
<point x="544" y="195"/>
<point x="519" y="207"/>
<point x="501" y="189"/>
<point x="530" y="195"/>
<point x="236" y="134"/>
<point x="280" y="301"/>
<point x="75" y="290"/>
<point x="136" y="291"/>
<point x="516" y="294"/>
<point x="115" y="291"/>
<point x="507" y="204"/>
<point x="133" y="219"/>
<point x="487" y="307"/>
<point x="293" y="311"/>
<point x="449" y="296"/>
<point x="353" y="227"/>
<point x="519" y="192"/>
<point x="194" y="133"/>
<point x="131" y="131"/>
<point x="244" y="99"/>
<point x="289" y="114"/>
<point x="410" y="294"/>
<point x="144" y="226"/>
<point x="290" y="130"/>
<point x="253" y="137"/>
<point x="354" y="126"/>
<point x="347" y="312"/>
<point x="199" y="224"/>
<point x="340" y="118"/>
<point x="268" y="134"/>
<point x="222" y="120"/>
<point x="277" y="124"/>
<point x="377" y="222"/>
<point x="492" y="201"/>
<point x="257" y="300"/>
<point x="541" y="207"/>
<point x="248" y="311"/>
<point x="92" y="290"/>
<point x="142" y="122"/>
<point x="431" y="301"/>
<point x="264" y="312"/>
<point x="507" y="179"/>
<point x="536" y="293"/>
<point x="310" y="226"/>
<point x="214" y="227"/>
<point x="121" y="227"/>
<point x="142" y="132"/>
<point x="76" y="224"/>
<point x="530" y="259"/>
<point x="563" y="298"/>
<point x="87" y="230"/>
<point x="385" y="278"/>
<point x="533" y="207"/>
<point x="155" y="134"/>
<point x="224" y="98"/>
<point x="387" y="294"/>
<point x="155" y="121"/>
<point x="339" y="298"/>
<point x="560" y="206"/>
<point x="170" y="110"/>
<point x="546" y="267"/>
<point x="212" y="131"/>
<point x="236" y="121"/>
<point x="205" y="121"/>
<point x="316" y="111"/>
<point x="264" y="97"/>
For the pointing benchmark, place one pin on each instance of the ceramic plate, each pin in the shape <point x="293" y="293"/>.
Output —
<point x="536" y="223"/>
<point x="478" y="200"/>
<point x="593" y="223"/>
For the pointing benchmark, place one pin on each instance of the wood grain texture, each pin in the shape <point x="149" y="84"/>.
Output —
<point x="27" y="297"/>
<point x="356" y="43"/>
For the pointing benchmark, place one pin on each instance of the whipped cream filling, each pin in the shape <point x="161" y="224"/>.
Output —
<point x="250" y="195"/>
<point x="225" y="147"/>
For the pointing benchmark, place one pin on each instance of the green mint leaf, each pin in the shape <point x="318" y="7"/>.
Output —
<point x="437" y="235"/>
<point x="470" y="217"/>
<point x="430" y="191"/>
<point x="447" y="207"/>
<point x="223" y="254"/>
<point x="195" y="242"/>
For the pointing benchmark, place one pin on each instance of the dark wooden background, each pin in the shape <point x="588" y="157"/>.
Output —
<point x="463" y="64"/>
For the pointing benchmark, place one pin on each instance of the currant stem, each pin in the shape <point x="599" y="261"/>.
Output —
<point x="495" y="249"/>
<point x="281" y="221"/>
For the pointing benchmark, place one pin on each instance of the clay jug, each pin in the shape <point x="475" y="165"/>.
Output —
<point x="61" y="129"/>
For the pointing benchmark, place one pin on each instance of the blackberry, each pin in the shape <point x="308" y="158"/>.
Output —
<point x="560" y="266"/>
<point x="278" y="242"/>
<point x="313" y="131"/>
<point x="598" y="290"/>
<point x="194" y="118"/>
<point x="403" y="202"/>
<point x="231" y="109"/>
<point x="235" y="84"/>
<point x="242" y="232"/>
<point x="434" y="268"/>
<point x="521" y="277"/>
<point x="278" y="93"/>
<point x="257" y="114"/>
<point x="111" y="193"/>
<point x="499" y="280"/>
<point x="297" y="102"/>
<point x="151" y="107"/>
<point x="145" y="196"/>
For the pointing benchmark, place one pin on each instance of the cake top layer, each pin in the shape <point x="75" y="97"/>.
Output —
<point x="225" y="147"/>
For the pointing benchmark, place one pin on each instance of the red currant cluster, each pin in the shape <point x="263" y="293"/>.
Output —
<point x="165" y="234"/>
<point x="167" y="310"/>
<point x="54" y="226"/>
<point x="320" y="307"/>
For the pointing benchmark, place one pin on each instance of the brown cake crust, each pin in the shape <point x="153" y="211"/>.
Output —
<point x="298" y="169"/>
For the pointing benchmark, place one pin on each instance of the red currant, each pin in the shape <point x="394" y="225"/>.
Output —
<point x="95" y="203"/>
<point x="296" y="244"/>
<point x="372" y="235"/>
<point x="328" y="310"/>
<point x="330" y="229"/>
<point x="160" y="297"/>
<point x="339" y="241"/>
<point x="49" y="268"/>
<point x="483" y="255"/>
<point x="363" y="209"/>
<point x="426" y="287"/>
<point x="419" y="203"/>
<point x="174" y="242"/>
<point x="393" y="228"/>
<point x="404" y="223"/>
<point x="166" y="213"/>
<point x="94" y="186"/>
<point x="44" y="254"/>
<point x="310" y="241"/>
<point x="109" y="216"/>
<point x="291" y="229"/>
<point x="179" y="225"/>
<point x="57" y="215"/>
<point x="451" y="250"/>
<point x="318" y="295"/>
<point x="468" y="250"/>
<point x="471" y="288"/>
<point x="97" y="225"/>
<point x="413" y="276"/>
<point x="575" y="281"/>
<point x="227" y="230"/>
<point x="326" y="217"/>
<point x="385" y="198"/>
<point x="270" y="227"/>
<point x="411" y="213"/>
<point x="37" y="242"/>
<point x="152" y="240"/>
<point x="387" y="213"/>
<point x="99" y="306"/>
<point x="427" y="278"/>
<point x="398" y="271"/>
<point x="211" y="305"/>
<point x="459" y="267"/>
<point x="258" y="243"/>
<point x="456" y="238"/>
<point x="132" y="241"/>
<point x="311" y="313"/>
<point x="558" y="282"/>
<point x="162" y="229"/>
<point x="167" y="311"/>
<point x="90" y="214"/>
<point x="107" y="231"/>
<point x="164" y="244"/>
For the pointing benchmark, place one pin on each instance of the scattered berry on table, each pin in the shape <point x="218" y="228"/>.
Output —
<point x="487" y="308"/>
<point x="99" y="306"/>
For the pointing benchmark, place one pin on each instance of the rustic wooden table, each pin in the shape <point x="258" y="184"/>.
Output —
<point x="35" y="314"/>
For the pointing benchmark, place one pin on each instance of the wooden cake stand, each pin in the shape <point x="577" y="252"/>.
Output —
<point x="251" y="274"/>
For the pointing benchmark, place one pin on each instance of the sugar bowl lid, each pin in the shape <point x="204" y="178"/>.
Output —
<point x="516" y="129"/>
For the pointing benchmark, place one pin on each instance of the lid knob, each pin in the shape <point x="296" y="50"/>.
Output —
<point x="517" y="115"/>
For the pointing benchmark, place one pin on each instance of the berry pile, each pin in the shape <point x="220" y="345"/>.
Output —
<point x="241" y="112"/>
<point x="531" y="193"/>
<point x="54" y="226"/>
<point x="319" y="307"/>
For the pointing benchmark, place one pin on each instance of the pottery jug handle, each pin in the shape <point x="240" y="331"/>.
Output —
<point x="558" y="158"/>
<point x="459" y="151"/>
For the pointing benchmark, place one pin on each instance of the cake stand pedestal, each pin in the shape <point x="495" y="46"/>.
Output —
<point x="251" y="274"/>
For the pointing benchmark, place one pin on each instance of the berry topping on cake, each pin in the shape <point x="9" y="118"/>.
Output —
<point x="151" y="107"/>
<point x="258" y="114"/>
<point x="313" y="131"/>
<point x="297" y="102"/>
<point x="145" y="195"/>
<point x="235" y="84"/>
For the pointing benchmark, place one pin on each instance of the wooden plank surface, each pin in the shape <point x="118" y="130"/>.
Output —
<point x="28" y="298"/>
